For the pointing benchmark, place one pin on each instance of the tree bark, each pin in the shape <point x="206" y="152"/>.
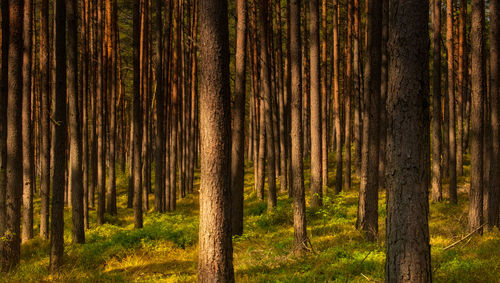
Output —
<point x="75" y="144"/>
<point x="368" y="192"/>
<point x="316" y="149"/>
<point x="27" y="129"/>
<point x="215" y="243"/>
<point x="58" y="179"/>
<point x="437" y="189"/>
<point x="137" y="117"/>
<point x="336" y="93"/>
<point x="408" y="248"/>
<point x="452" y="153"/>
<point x="494" y="188"/>
<point x="297" y="163"/>
<point x="238" y="131"/>
<point x="10" y="246"/>
<point x="265" y="79"/>
<point x="160" y="112"/>
<point x="478" y="79"/>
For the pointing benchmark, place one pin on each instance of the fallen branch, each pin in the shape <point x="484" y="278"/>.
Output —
<point x="464" y="238"/>
<point x="370" y="279"/>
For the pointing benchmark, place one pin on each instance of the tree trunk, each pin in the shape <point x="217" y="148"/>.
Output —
<point x="478" y="79"/>
<point x="324" y="98"/>
<point x="316" y="159"/>
<point x="368" y="192"/>
<point x="58" y="181"/>
<point x="101" y="116"/>
<point x="215" y="244"/>
<point x="160" y="112"/>
<point x="494" y="188"/>
<point x="137" y="117"/>
<point x="336" y="93"/>
<point x="408" y="248"/>
<point x="462" y="88"/>
<point x="437" y="189"/>
<point x="45" y="119"/>
<point x="10" y="246"/>
<point x="75" y="144"/>
<point x="265" y="79"/>
<point x="27" y="129"/>
<point x="297" y="163"/>
<point x="238" y="131"/>
<point x="452" y="153"/>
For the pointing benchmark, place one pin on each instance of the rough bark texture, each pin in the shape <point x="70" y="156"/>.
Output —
<point x="494" y="188"/>
<point x="368" y="192"/>
<point x="75" y="143"/>
<point x="28" y="158"/>
<point x="316" y="160"/>
<point x="408" y="249"/>
<point x="478" y="79"/>
<point x="238" y="116"/>
<point x="452" y="153"/>
<point x="3" y="110"/>
<point x="44" y="120"/>
<point x="297" y="163"/>
<point x="58" y="179"/>
<point x="215" y="262"/>
<point x="10" y="245"/>
<point x="436" y="186"/>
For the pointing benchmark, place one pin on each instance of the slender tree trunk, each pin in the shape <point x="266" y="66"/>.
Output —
<point x="368" y="192"/>
<point x="297" y="163"/>
<point x="478" y="79"/>
<point x="101" y="116"/>
<point x="27" y="129"/>
<point x="348" y="95"/>
<point x="10" y="246"/>
<point x="215" y="262"/>
<point x="45" y="118"/>
<point x="58" y="181"/>
<point x="357" y="88"/>
<point x="316" y="159"/>
<point x="494" y="188"/>
<point x="160" y="112"/>
<point x="337" y="104"/>
<point x="437" y="189"/>
<point x="238" y="131"/>
<point x="75" y="144"/>
<point x="408" y="248"/>
<point x="452" y="153"/>
<point x="461" y="92"/>
<point x="265" y="85"/>
<point x="384" y="81"/>
<point x="137" y="117"/>
<point x="324" y="98"/>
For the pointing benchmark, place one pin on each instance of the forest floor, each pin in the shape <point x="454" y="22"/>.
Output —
<point x="166" y="248"/>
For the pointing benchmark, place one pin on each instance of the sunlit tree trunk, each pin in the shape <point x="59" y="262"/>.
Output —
<point x="452" y="167"/>
<point x="336" y="99"/>
<point x="215" y="263"/>
<point x="137" y="117"/>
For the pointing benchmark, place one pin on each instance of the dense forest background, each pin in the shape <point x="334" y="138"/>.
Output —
<point x="260" y="141"/>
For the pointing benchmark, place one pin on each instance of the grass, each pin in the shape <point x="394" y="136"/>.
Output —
<point x="166" y="248"/>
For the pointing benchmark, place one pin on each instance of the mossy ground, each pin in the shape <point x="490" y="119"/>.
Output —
<point x="166" y="248"/>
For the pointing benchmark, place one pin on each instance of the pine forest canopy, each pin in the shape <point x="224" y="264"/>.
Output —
<point x="262" y="140"/>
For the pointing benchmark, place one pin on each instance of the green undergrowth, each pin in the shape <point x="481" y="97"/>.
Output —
<point x="166" y="250"/>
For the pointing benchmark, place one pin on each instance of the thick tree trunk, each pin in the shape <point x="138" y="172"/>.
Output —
<point x="238" y="131"/>
<point x="436" y="186"/>
<point x="60" y="142"/>
<point x="478" y="79"/>
<point x="408" y="248"/>
<point x="10" y="246"/>
<point x="215" y="262"/>
<point x="297" y="163"/>
<point x="316" y="159"/>
<point x="75" y="144"/>
<point x="27" y="129"/>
